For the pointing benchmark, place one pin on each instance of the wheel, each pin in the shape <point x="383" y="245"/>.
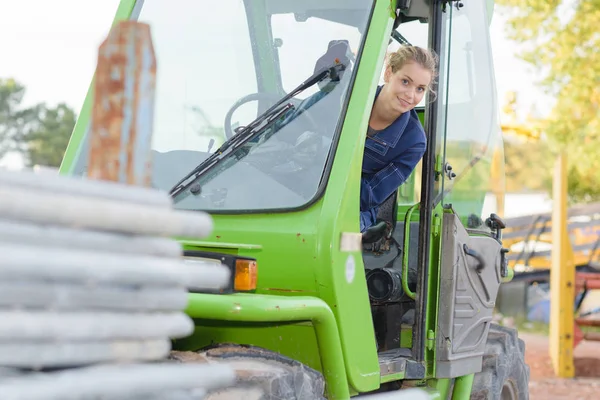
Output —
<point x="276" y="376"/>
<point x="504" y="374"/>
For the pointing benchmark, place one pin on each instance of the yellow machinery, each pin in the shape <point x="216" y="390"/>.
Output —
<point x="564" y="243"/>
<point x="530" y="237"/>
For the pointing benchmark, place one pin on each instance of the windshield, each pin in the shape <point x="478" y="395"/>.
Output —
<point x="223" y="63"/>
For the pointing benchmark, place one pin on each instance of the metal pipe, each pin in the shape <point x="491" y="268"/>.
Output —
<point x="407" y="219"/>
<point x="462" y="387"/>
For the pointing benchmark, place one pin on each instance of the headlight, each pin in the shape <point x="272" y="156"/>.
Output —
<point x="384" y="285"/>
<point x="244" y="270"/>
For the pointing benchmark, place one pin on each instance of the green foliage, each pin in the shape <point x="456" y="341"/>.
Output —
<point x="46" y="143"/>
<point x="561" y="39"/>
<point x="529" y="166"/>
<point x="40" y="133"/>
<point x="14" y="120"/>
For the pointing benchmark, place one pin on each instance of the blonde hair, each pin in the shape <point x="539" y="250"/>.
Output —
<point x="426" y="58"/>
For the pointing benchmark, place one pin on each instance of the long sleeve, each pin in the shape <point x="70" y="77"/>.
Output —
<point x="377" y="187"/>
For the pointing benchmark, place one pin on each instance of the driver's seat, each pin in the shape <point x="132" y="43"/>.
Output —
<point x="332" y="93"/>
<point x="337" y="51"/>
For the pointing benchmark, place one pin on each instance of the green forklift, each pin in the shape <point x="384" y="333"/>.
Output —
<point x="315" y="309"/>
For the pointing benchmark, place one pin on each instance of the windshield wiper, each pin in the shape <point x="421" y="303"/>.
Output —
<point x="229" y="146"/>
<point x="399" y="38"/>
<point x="262" y="122"/>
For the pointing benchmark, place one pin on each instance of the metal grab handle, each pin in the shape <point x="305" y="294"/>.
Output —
<point x="480" y="260"/>
<point x="407" y="218"/>
<point x="480" y="266"/>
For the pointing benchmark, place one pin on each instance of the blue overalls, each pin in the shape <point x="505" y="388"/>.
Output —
<point x="390" y="157"/>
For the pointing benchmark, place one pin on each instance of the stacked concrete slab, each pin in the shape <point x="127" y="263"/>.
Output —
<point x="92" y="290"/>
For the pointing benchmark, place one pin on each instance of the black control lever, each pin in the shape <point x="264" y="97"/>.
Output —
<point x="495" y="223"/>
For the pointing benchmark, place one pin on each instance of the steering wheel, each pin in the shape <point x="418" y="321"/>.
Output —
<point x="270" y="99"/>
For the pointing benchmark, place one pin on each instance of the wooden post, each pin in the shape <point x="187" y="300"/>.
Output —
<point x="562" y="279"/>
<point x="498" y="180"/>
<point x="123" y="109"/>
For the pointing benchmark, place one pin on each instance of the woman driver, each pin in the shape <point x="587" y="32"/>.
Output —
<point x="395" y="137"/>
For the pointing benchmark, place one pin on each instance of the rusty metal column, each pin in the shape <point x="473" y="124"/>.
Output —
<point x="123" y="109"/>
<point x="562" y="278"/>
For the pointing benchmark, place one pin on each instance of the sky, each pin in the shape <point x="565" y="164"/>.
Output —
<point x="50" y="46"/>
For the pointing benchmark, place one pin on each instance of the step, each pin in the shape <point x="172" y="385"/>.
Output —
<point x="399" y="361"/>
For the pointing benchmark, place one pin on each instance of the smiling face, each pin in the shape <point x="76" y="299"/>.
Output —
<point x="405" y="88"/>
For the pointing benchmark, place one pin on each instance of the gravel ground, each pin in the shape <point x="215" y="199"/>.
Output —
<point x="544" y="385"/>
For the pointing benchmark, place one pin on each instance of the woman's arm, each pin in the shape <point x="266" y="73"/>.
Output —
<point x="376" y="188"/>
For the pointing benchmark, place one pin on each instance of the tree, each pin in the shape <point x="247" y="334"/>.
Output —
<point x="560" y="39"/>
<point x="14" y="120"/>
<point x="47" y="141"/>
<point x="39" y="133"/>
<point x="529" y="166"/>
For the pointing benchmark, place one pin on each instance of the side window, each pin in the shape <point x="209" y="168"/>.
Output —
<point x="462" y="67"/>
<point x="471" y="124"/>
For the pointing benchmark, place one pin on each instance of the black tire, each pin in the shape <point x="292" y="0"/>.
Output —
<point x="504" y="374"/>
<point x="276" y="376"/>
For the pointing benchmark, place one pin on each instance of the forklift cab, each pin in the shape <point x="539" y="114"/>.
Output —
<point x="261" y="115"/>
